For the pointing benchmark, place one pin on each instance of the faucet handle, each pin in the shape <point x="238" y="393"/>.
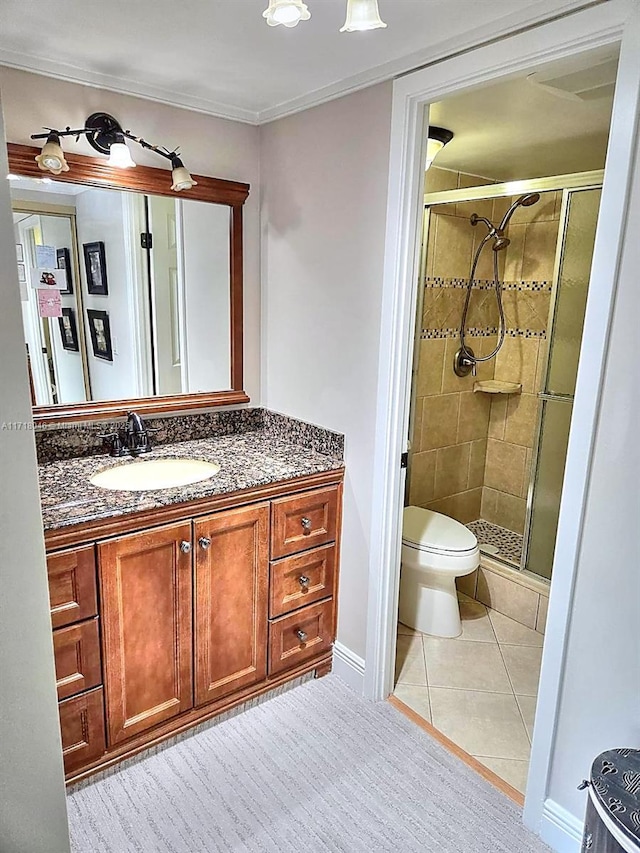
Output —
<point x="114" y="441"/>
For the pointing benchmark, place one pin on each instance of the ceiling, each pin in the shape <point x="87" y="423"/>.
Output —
<point x="553" y="124"/>
<point x="220" y="57"/>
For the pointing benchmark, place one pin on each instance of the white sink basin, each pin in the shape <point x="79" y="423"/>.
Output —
<point x="149" y="474"/>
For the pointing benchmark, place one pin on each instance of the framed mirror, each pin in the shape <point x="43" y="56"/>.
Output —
<point x="131" y="292"/>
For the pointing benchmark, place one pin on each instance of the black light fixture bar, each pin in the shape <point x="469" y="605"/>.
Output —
<point x="97" y="132"/>
<point x="102" y="131"/>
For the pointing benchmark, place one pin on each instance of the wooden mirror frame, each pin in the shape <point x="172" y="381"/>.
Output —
<point x="96" y="172"/>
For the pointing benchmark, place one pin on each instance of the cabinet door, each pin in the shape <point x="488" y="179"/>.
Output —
<point x="232" y="565"/>
<point x="146" y="587"/>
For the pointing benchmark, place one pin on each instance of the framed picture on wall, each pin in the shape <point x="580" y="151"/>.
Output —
<point x="96" y="267"/>
<point x="69" y="330"/>
<point x="100" y="331"/>
<point x="64" y="263"/>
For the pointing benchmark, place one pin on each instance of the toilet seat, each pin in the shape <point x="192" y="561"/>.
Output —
<point x="435" y="533"/>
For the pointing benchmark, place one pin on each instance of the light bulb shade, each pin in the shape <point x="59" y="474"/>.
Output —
<point x="181" y="179"/>
<point x="120" y="156"/>
<point x="438" y="138"/>
<point x="51" y="158"/>
<point x="289" y="13"/>
<point x="362" y="15"/>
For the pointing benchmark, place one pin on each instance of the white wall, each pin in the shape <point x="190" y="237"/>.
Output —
<point x="324" y="194"/>
<point x="205" y="238"/>
<point x="100" y="216"/>
<point x="32" y="799"/>
<point x="600" y="695"/>
<point x="210" y="146"/>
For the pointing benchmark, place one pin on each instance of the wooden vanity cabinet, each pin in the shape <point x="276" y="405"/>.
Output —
<point x="146" y="601"/>
<point x="230" y="610"/>
<point x="158" y="627"/>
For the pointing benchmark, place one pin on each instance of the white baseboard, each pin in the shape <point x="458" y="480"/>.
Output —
<point x="349" y="667"/>
<point x="560" y="829"/>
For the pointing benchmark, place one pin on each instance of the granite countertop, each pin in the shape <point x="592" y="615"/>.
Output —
<point x="246" y="460"/>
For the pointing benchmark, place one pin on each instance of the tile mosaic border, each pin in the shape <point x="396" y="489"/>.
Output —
<point x="487" y="284"/>
<point x="55" y="442"/>
<point x="439" y="334"/>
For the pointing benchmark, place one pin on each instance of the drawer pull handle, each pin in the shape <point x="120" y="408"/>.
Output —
<point x="304" y="581"/>
<point x="204" y="542"/>
<point x="306" y="523"/>
<point x="185" y="546"/>
<point x="302" y="635"/>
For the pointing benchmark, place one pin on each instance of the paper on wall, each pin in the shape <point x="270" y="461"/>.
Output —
<point x="49" y="303"/>
<point x="49" y="278"/>
<point x="46" y="256"/>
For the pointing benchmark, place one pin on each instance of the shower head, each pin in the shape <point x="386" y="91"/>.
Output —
<point x="525" y="201"/>
<point x="500" y="242"/>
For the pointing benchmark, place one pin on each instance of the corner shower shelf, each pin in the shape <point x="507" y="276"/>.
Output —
<point x="495" y="386"/>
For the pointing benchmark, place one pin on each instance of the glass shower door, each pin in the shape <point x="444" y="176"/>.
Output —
<point x="574" y="268"/>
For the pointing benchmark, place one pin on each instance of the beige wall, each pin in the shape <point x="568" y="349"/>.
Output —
<point x="471" y="452"/>
<point x="324" y="215"/>
<point x="210" y="146"/>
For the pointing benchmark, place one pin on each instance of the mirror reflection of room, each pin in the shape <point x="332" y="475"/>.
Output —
<point x="142" y="307"/>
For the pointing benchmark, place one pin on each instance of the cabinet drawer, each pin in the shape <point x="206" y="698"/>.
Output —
<point x="303" y="522"/>
<point x="82" y="728"/>
<point x="302" y="579"/>
<point x="302" y="635"/>
<point x="72" y="586"/>
<point x="76" y="650"/>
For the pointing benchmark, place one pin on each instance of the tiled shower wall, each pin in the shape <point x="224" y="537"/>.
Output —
<point x="471" y="452"/>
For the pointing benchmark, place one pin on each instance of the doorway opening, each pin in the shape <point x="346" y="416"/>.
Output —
<point x="509" y="221"/>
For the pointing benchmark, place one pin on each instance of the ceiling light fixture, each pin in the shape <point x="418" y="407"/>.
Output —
<point x="289" y="13"/>
<point x="362" y="15"/>
<point x="438" y="138"/>
<point x="104" y="133"/>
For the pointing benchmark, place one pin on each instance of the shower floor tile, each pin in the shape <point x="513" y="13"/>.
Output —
<point x="497" y="541"/>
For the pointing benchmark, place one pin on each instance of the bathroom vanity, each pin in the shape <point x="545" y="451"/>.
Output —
<point x="171" y="606"/>
<point x="169" y="603"/>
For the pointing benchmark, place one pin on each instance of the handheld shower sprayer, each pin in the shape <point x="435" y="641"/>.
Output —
<point x="465" y="360"/>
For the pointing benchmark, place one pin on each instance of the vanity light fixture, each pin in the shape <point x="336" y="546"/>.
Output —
<point x="362" y="15"/>
<point x="104" y="133"/>
<point x="438" y="138"/>
<point x="51" y="158"/>
<point x="289" y="13"/>
<point x="180" y="177"/>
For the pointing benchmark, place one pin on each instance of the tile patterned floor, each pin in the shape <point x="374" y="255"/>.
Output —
<point x="479" y="689"/>
<point x="497" y="541"/>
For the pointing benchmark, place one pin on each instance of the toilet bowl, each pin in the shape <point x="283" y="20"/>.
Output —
<point x="436" y="550"/>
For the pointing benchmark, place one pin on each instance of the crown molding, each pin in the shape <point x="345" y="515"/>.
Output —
<point x="123" y="86"/>
<point x="540" y="12"/>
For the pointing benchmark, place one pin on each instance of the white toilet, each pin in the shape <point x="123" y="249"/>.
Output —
<point x="436" y="550"/>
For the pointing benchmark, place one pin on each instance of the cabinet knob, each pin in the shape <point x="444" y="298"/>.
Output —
<point x="306" y="523"/>
<point x="302" y="635"/>
<point x="185" y="546"/>
<point x="304" y="581"/>
<point x="204" y="541"/>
